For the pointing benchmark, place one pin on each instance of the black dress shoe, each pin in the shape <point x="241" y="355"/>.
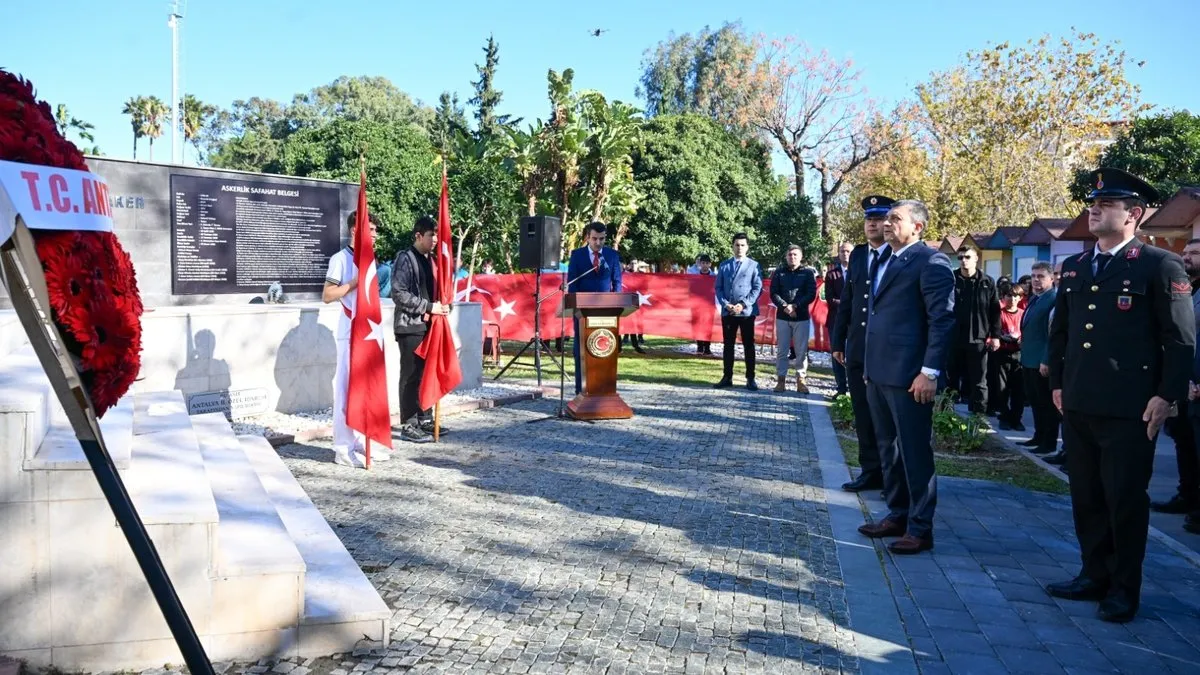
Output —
<point x="1018" y="426"/>
<point x="1116" y="607"/>
<point x="1031" y="443"/>
<point x="725" y="382"/>
<point x="1176" y="504"/>
<point x="1056" y="458"/>
<point x="1004" y="425"/>
<point x="1079" y="588"/>
<point x="751" y="385"/>
<point x="864" y="482"/>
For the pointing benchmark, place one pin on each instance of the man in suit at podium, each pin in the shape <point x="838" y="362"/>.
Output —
<point x="592" y="269"/>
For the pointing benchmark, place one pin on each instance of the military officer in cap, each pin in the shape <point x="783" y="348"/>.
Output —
<point x="849" y="336"/>
<point x="1121" y="346"/>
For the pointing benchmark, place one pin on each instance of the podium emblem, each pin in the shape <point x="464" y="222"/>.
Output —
<point x="602" y="343"/>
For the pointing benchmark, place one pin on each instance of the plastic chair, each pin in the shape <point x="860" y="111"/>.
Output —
<point x="491" y="330"/>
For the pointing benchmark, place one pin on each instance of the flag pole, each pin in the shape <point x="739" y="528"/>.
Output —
<point x="362" y="167"/>
<point x="437" y="407"/>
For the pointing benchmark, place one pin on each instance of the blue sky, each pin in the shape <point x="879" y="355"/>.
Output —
<point x="93" y="56"/>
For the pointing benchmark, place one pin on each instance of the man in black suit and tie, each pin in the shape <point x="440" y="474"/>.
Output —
<point x="850" y="333"/>
<point x="908" y="341"/>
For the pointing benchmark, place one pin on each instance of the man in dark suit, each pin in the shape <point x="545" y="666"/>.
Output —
<point x="1035" y="360"/>
<point x="739" y="283"/>
<point x="1122" y="342"/>
<point x="849" y="335"/>
<point x="592" y="269"/>
<point x="835" y="281"/>
<point x="909" y="337"/>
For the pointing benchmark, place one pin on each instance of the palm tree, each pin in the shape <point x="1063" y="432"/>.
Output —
<point x="195" y="116"/>
<point x="135" y="107"/>
<point x="615" y="133"/>
<point x="155" y="112"/>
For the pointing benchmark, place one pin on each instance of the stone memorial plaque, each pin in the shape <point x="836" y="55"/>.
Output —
<point x="232" y="402"/>
<point x="240" y="236"/>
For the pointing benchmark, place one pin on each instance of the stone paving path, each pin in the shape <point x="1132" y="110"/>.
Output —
<point x="693" y="538"/>
<point x="707" y="535"/>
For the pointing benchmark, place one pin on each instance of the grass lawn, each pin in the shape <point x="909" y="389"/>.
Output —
<point x="989" y="463"/>
<point x="662" y="365"/>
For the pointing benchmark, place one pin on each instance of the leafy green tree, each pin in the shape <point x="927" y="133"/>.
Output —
<point x="700" y="183"/>
<point x="67" y="122"/>
<point x="1163" y="149"/>
<point x="154" y="113"/>
<point x="447" y="123"/>
<point x="356" y="98"/>
<point x="404" y="176"/>
<point x="487" y="97"/>
<point x="194" y="116"/>
<point x="694" y="73"/>
<point x="135" y="107"/>
<point x="790" y="220"/>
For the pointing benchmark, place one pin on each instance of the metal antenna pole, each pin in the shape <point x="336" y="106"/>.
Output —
<point x="173" y="22"/>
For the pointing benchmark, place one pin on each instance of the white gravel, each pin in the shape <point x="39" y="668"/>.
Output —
<point x="277" y="423"/>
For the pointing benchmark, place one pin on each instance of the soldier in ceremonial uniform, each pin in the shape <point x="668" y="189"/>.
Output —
<point x="1121" y="347"/>
<point x="849" y="335"/>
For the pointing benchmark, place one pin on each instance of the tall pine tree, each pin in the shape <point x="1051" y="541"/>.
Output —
<point x="487" y="97"/>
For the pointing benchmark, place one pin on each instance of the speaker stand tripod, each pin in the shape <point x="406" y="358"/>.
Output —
<point x="536" y="341"/>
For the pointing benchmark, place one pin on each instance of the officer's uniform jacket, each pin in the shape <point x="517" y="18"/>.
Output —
<point x="1124" y="336"/>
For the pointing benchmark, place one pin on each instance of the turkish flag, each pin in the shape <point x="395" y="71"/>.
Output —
<point x="442" y="370"/>
<point x="367" y="400"/>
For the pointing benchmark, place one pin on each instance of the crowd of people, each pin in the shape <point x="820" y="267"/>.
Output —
<point x="1103" y="348"/>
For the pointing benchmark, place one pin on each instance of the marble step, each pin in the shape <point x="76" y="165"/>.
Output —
<point x="340" y="604"/>
<point x="258" y="575"/>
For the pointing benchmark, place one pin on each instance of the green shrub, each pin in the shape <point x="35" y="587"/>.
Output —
<point x="953" y="432"/>
<point x="841" y="411"/>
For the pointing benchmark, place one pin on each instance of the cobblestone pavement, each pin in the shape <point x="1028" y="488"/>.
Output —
<point x="692" y="538"/>
<point x="977" y="604"/>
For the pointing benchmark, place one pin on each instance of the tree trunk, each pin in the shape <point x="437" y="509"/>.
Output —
<point x="135" y="147"/>
<point x="532" y="200"/>
<point x="622" y="232"/>
<point x="826" y="201"/>
<point x="151" y="148"/>
<point x="798" y="171"/>
<point x="507" y="251"/>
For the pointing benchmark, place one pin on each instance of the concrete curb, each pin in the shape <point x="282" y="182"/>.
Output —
<point x="879" y="633"/>
<point x="309" y="435"/>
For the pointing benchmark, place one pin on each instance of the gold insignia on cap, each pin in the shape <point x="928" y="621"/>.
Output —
<point x="1099" y="181"/>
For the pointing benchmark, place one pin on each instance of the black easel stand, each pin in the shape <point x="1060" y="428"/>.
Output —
<point x="539" y="345"/>
<point x="22" y="276"/>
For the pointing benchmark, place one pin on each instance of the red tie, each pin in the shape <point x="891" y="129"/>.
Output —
<point x="596" y="260"/>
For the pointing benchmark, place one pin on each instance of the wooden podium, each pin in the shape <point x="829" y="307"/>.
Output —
<point x="599" y="336"/>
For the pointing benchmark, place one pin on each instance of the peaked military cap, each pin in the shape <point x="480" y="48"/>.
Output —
<point x="1118" y="184"/>
<point x="877" y="205"/>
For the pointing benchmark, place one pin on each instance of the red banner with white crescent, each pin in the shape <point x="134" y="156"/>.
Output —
<point x="672" y="305"/>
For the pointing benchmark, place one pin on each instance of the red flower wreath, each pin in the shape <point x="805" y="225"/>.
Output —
<point x="90" y="278"/>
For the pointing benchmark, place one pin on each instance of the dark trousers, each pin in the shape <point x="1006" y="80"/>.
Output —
<point x="1046" y="417"/>
<point x="1109" y="465"/>
<point x="1004" y="379"/>
<point x="839" y="376"/>
<point x="703" y="347"/>
<point x="1186" y="458"/>
<point x="730" y="327"/>
<point x="864" y="426"/>
<point x="968" y="373"/>
<point x="412" y="367"/>
<point x="904" y="432"/>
